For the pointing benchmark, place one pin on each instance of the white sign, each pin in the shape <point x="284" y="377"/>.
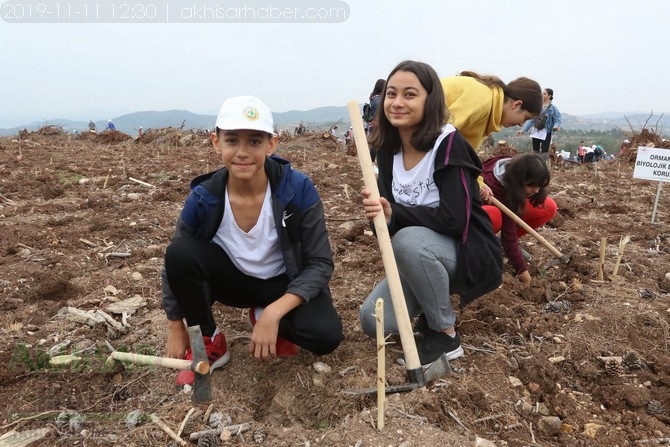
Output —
<point x="652" y="164"/>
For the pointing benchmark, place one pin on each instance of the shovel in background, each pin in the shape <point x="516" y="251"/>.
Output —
<point x="560" y="257"/>
<point x="415" y="373"/>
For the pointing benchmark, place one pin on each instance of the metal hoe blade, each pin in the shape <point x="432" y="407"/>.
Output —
<point x="438" y="369"/>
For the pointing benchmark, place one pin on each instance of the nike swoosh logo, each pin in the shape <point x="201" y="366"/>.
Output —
<point x="284" y="217"/>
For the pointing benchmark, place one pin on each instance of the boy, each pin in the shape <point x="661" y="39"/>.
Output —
<point x="251" y="234"/>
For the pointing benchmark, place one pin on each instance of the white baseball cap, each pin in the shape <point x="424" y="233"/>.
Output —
<point x="245" y="113"/>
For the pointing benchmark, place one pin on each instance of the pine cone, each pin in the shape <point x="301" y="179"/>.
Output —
<point x="655" y="407"/>
<point x="512" y="339"/>
<point x="647" y="294"/>
<point x="209" y="440"/>
<point x="70" y="421"/>
<point x="259" y="436"/>
<point x="217" y="419"/>
<point x="613" y="367"/>
<point x="192" y="425"/>
<point x="632" y="360"/>
<point x="560" y="306"/>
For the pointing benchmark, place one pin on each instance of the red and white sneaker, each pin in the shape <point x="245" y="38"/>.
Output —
<point x="217" y="353"/>
<point x="283" y="347"/>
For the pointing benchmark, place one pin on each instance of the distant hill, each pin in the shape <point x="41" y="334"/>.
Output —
<point x="324" y="117"/>
<point x="623" y="121"/>
<point x="129" y="123"/>
<point x="329" y="115"/>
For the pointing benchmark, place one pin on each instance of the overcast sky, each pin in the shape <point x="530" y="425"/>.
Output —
<point x="597" y="55"/>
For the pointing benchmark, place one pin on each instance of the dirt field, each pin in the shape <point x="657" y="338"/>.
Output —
<point x="568" y="361"/>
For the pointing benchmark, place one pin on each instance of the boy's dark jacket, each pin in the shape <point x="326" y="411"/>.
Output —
<point x="299" y="218"/>
<point x="480" y="256"/>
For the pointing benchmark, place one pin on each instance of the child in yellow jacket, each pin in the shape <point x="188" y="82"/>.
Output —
<point x="480" y="105"/>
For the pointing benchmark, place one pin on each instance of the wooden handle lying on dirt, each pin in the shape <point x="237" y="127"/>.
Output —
<point x="526" y="227"/>
<point x="412" y="362"/>
<point x="140" y="359"/>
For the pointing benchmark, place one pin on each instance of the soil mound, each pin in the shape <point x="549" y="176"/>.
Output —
<point x="581" y="357"/>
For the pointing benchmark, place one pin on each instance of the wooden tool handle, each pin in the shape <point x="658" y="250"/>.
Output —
<point x="526" y="227"/>
<point x="393" y="277"/>
<point x="140" y="359"/>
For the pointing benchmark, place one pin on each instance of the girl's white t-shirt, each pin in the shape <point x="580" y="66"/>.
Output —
<point x="416" y="187"/>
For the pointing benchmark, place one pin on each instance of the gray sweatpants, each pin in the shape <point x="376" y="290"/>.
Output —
<point x="425" y="260"/>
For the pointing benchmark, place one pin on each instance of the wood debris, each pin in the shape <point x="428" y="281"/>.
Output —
<point x="92" y="318"/>
<point x="128" y="306"/>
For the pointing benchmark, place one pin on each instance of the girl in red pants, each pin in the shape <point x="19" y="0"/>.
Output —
<point x="520" y="183"/>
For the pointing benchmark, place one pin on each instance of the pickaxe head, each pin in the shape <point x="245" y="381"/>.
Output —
<point x="202" y="387"/>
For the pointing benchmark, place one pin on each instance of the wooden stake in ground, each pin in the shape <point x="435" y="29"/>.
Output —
<point x="381" y="363"/>
<point x="107" y="178"/>
<point x="622" y="247"/>
<point x="601" y="265"/>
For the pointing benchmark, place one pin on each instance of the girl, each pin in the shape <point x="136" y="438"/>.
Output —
<point x="520" y="184"/>
<point x="375" y="100"/>
<point x="480" y="105"/>
<point x="442" y="238"/>
<point x="541" y="138"/>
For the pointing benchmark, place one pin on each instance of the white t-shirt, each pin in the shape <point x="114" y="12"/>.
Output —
<point x="255" y="253"/>
<point x="416" y="187"/>
<point x="499" y="169"/>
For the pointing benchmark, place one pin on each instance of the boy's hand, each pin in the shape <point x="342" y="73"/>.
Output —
<point x="177" y="341"/>
<point x="263" y="342"/>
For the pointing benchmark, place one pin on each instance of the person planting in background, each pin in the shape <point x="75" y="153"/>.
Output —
<point x="480" y="105"/>
<point x="520" y="183"/>
<point x="543" y="125"/>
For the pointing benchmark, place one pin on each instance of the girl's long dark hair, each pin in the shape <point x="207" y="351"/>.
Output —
<point x="378" y="89"/>
<point x="387" y="138"/>
<point x="525" y="170"/>
<point x="524" y="89"/>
